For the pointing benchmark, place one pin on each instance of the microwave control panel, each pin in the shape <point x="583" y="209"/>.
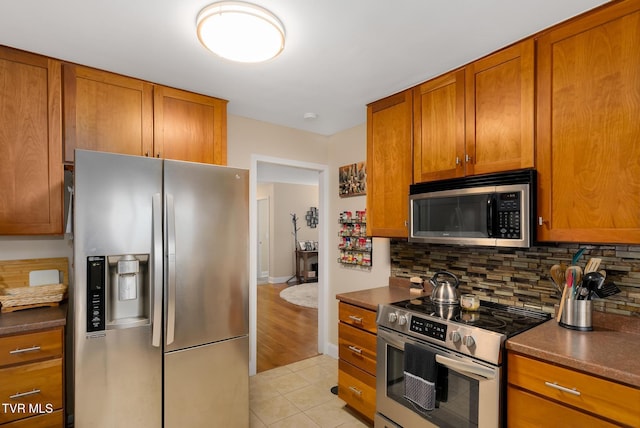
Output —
<point x="509" y="215"/>
<point x="96" y="288"/>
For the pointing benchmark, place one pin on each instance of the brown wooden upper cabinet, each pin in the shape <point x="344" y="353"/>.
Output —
<point x="31" y="171"/>
<point x="477" y="120"/>
<point x="108" y="112"/>
<point x="499" y="108"/>
<point x="389" y="165"/>
<point x="189" y="126"/>
<point x="438" y="128"/>
<point x="588" y="128"/>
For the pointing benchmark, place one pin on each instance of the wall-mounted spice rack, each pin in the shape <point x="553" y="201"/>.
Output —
<point x="355" y="247"/>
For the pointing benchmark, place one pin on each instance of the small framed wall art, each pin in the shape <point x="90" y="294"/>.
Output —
<point x="353" y="179"/>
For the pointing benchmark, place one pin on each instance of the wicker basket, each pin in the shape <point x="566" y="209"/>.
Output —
<point x="30" y="296"/>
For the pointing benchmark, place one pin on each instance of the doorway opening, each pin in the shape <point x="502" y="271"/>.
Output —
<point x="275" y="174"/>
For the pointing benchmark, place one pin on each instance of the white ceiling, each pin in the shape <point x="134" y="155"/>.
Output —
<point x="339" y="54"/>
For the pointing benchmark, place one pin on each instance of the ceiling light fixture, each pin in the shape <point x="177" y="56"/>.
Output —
<point x="240" y="31"/>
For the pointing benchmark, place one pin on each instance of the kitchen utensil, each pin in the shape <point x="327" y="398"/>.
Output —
<point x="591" y="282"/>
<point x="444" y="292"/>
<point x="606" y="290"/>
<point x="592" y="265"/>
<point x="558" y="276"/>
<point x="575" y="273"/>
<point x="576" y="256"/>
<point x="566" y="293"/>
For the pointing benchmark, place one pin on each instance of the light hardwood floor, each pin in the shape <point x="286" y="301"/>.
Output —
<point x="286" y="333"/>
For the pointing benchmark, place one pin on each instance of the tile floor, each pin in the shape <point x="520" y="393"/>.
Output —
<point x="299" y="395"/>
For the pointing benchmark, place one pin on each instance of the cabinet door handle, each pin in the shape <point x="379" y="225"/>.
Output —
<point x="356" y="350"/>
<point x="355" y="391"/>
<point x="24" y="394"/>
<point x="355" y="319"/>
<point x="457" y="160"/>
<point x="467" y="158"/>
<point x="563" y="388"/>
<point x="21" y="350"/>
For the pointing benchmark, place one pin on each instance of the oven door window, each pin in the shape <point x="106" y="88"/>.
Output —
<point x="456" y="394"/>
<point x="453" y="216"/>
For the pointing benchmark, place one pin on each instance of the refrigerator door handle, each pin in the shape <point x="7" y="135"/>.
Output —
<point x="171" y="269"/>
<point x="156" y="323"/>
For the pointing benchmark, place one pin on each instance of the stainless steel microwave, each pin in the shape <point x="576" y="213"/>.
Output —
<point x="487" y="210"/>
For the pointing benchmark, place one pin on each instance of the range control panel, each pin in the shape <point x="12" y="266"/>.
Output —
<point x="96" y="296"/>
<point x="428" y="328"/>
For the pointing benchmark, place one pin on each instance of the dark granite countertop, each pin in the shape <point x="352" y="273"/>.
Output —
<point x="610" y="351"/>
<point x="32" y="319"/>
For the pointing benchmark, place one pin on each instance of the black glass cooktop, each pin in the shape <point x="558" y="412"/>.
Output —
<point x="504" y="319"/>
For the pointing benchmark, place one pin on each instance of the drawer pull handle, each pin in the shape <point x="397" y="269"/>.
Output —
<point x="356" y="391"/>
<point x="356" y="350"/>
<point x="563" y="388"/>
<point x="24" y="394"/>
<point x="355" y="319"/>
<point x="20" y="351"/>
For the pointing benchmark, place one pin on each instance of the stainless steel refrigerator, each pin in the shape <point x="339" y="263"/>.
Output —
<point x="160" y="296"/>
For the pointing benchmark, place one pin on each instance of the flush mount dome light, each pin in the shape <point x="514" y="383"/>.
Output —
<point x="240" y="31"/>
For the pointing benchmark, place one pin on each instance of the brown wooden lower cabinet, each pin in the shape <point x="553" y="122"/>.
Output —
<point x="544" y="394"/>
<point x="357" y="388"/>
<point x="357" y="364"/>
<point x="31" y="379"/>
<point x="50" y="420"/>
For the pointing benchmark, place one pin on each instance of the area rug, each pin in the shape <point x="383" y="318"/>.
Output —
<point x="302" y="295"/>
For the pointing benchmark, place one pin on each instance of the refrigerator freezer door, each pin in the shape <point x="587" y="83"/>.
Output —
<point x="208" y="386"/>
<point x="206" y="253"/>
<point x="118" y="373"/>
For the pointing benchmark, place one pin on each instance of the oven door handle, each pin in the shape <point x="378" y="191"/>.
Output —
<point x="466" y="368"/>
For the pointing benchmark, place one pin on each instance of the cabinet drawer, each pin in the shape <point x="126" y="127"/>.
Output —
<point x="357" y="347"/>
<point x="601" y="397"/>
<point x="24" y="348"/>
<point x="531" y="411"/>
<point x="358" y="317"/>
<point x="49" y="420"/>
<point x="357" y="388"/>
<point x="34" y="387"/>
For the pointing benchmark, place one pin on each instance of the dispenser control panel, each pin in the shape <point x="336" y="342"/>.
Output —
<point x="96" y="288"/>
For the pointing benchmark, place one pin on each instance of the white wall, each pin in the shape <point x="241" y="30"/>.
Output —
<point x="288" y="199"/>
<point x="247" y="136"/>
<point x="348" y="147"/>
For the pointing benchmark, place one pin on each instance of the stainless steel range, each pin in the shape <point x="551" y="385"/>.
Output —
<point x="441" y="366"/>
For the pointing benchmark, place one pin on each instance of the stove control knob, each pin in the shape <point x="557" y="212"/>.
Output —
<point x="402" y="319"/>
<point x="393" y="317"/>
<point x="468" y="341"/>
<point x="455" y="337"/>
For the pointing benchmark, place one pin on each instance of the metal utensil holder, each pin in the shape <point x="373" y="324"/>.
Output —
<point x="577" y="315"/>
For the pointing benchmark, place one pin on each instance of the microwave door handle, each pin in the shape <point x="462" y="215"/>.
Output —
<point x="491" y="209"/>
<point x="470" y="370"/>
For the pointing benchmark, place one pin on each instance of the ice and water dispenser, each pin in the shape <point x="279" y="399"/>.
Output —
<point x="118" y="292"/>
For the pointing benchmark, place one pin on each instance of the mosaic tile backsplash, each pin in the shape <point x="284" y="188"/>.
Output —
<point x="520" y="277"/>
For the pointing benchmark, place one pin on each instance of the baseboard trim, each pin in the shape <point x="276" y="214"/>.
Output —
<point x="278" y="279"/>
<point x="332" y="350"/>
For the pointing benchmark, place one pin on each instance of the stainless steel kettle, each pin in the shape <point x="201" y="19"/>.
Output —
<point x="445" y="292"/>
